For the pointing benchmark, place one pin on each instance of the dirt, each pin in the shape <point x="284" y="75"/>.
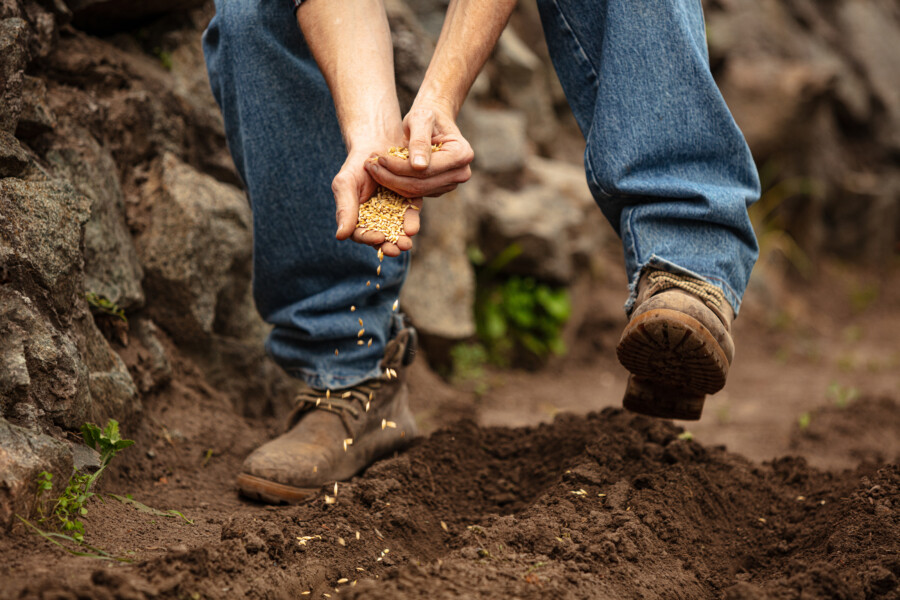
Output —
<point x="567" y="503"/>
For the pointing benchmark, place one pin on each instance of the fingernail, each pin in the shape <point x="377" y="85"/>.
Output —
<point x="419" y="161"/>
<point x="372" y="166"/>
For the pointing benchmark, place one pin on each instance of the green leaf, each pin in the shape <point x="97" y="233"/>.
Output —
<point x="148" y="509"/>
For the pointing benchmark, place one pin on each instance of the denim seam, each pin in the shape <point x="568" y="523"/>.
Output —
<point x="571" y="32"/>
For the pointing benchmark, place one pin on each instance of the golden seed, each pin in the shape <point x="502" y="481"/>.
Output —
<point x="359" y="343"/>
<point x="342" y="542"/>
<point x="368" y="283"/>
<point x="345" y="395"/>
<point x="352" y="309"/>
<point x="335" y="488"/>
<point x="396" y="304"/>
<point x="357" y="535"/>
<point x="330" y="499"/>
<point x="315" y="469"/>
<point x="377" y="286"/>
<point x="360" y="322"/>
<point x="369" y="344"/>
<point x="335" y="351"/>
<point x="367" y="405"/>
<point x="361" y="333"/>
<point x="390" y="424"/>
<point x="444" y="526"/>
<point x="343" y="580"/>
<point x="383" y="424"/>
<point x="353" y="583"/>
<point x="380" y="255"/>
<point x="328" y="393"/>
<point x="318" y="401"/>
<point x="378" y="270"/>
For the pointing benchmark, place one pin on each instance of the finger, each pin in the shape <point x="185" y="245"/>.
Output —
<point x="404" y="243"/>
<point x="413" y="187"/>
<point x="421" y="130"/>
<point x="346" y="204"/>
<point x="391" y="249"/>
<point x="368" y="237"/>
<point x="412" y="220"/>
<point x="449" y="157"/>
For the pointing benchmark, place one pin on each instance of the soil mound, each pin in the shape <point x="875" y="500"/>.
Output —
<point x="605" y="506"/>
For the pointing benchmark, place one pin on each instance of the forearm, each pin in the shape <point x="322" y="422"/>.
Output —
<point x="351" y="42"/>
<point x="471" y="30"/>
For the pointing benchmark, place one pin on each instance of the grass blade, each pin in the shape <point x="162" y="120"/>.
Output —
<point x="149" y="509"/>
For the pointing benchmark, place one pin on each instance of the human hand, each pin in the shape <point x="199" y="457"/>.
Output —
<point x="424" y="173"/>
<point x="353" y="185"/>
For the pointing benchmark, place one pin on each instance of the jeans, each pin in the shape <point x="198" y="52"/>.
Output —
<point x="665" y="162"/>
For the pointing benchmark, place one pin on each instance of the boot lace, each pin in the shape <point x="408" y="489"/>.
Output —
<point x="349" y="401"/>
<point x="663" y="280"/>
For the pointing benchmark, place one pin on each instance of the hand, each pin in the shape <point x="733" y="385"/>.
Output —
<point x="353" y="186"/>
<point x="426" y="174"/>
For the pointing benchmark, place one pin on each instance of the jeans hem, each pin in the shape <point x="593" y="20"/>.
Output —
<point x="655" y="262"/>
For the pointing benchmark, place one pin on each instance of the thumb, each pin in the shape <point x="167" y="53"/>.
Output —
<point x="346" y="202"/>
<point x="421" y="129"/>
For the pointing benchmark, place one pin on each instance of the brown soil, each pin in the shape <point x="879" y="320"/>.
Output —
<point x="598" y="505"/>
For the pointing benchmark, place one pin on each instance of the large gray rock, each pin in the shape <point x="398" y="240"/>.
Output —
<point x="13" y="58"/>
<point x="13" y="158"/>
<point x="497" y="136"/>
<point x="195" y="247"/>
<point x="553" y="220"/>
<point x="111" y="265"/>
<point x="440" y="289"/>
<point x="40" y="238"/>
<point x="43" y="378"/>
<point x="23" y="455"/>
<point x="36" y="117"/>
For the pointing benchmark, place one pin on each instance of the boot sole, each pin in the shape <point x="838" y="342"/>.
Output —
<point x="675" y="362"/>
<point x="272" y="492"/>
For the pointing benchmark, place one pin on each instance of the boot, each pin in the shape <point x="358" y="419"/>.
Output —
<point x="677" y="345"/>
<point x="334" y="434"/>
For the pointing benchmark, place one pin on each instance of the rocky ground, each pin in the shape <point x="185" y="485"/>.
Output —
<point x="117" y="194"/>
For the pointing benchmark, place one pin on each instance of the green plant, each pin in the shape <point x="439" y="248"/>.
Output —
<point x="103" y="305"/>
<point x="840" y="395"/>
<point x="467" y="362"/>
<point x="804" y="420"/>
<point x="69" y="507"/>
<point x="164" y="56"/>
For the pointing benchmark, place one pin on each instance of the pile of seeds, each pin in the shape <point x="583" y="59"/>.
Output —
<point x="384" y="211"/>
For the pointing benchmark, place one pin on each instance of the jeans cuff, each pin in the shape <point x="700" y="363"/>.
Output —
<point x="655" y="262"/>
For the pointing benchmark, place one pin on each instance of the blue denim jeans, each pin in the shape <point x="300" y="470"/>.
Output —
<point x="665" y="162"/>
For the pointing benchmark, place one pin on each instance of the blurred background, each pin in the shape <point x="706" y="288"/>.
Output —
<point x="125" y="236"/>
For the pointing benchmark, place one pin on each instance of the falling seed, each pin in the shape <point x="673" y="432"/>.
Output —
<point x="359" y="343"/>
<point x="378" y="270"/>
<point x="361" y="333"/>
<point x="390" y="424"/>
<point x="352" y="309"/>
<point x="761" y="520"/>
<point x="328" y="393"/>
<point x="368" y="403"/>
<point x="383" y="424"/>
<point x="396" y="304"/>
<point x="380" y="255"/>
<point x="368" y="283"/>
<point x="360" y="322"/>
<point x="335" y="351"/>
<point x="335" y="488"/>
<point x="377" y="286"/>
<point x="444" y="526"/>
<point x="345" y="395"/>
<point x="369" y="344"/>
<point x="371" y="395"/>
<point x="357" y="535"/>
<point x="342" y="580"/>
<point x="315" y="469"/>
<point x="353" y="583"/>
<point x="402" y="434"/>
<point x="318" y="401"/>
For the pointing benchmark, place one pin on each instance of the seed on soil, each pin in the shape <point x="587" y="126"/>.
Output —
<point x="305" y="593"/>
<point x="357" y="535"/>
<point x="335" y="488"/>
<point x="360" y="569"/>
<point x="579" y="493"/>
<point x="329" y="499"/>
<point x="342" y="580"/>
<point x="301" y="541"/>
<point x="801" y="498"/>
<point x="342" y="542"/>
<point x="444" y="526"/>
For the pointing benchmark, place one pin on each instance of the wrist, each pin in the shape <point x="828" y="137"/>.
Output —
<point x="437" y="102"/>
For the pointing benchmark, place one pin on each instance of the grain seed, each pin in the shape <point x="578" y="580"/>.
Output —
<point x="360" y="333"/>
<point x="396" y="304"/>
<point x="444" y="527"/>
<point x="329" y="499"/>
<point x="335" y="488"/>
<point x="342" y="580"/>
<point x="378" y="270"/>
<point x="335" y="351"/>
<point x="368" y="283"/>
<point x="357" y="535"/>
<point x="369" y="344"/>
<point x="352" y="309"/>
<point x="360" y="322"/>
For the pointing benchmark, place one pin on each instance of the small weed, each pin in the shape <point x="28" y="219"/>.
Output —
<point x="686" y="436"/>
<point x="841" y="396"/>
<point x="804" y="420"/>
<point x="164" y="56"/>
<point x="467" y="366"/>
<point x="103" y="305"/>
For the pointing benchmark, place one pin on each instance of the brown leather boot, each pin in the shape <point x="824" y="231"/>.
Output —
<point x="334" y="434"/>
<point x="677" y="345"/>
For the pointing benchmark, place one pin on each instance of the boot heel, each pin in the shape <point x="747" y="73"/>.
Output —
<point x="664" y="402"/>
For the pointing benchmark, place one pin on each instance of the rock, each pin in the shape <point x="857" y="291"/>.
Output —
<point x="36" y="117"/>
<point x="440" y="289"/>
<point x="150" y="367"/>
<point x="497" y="137"/>
<point x="23" y="455"/>
<point x="85" y="459"/>
<point x="111" y="265"/>
<point x="13" y="58"/>
<point x="113" y="392"/>
<point x="13" y="158"/>
<point x="46" y="380"/>
<point x="195" y="247"/>
<point x="412" y="49"/>
<point x="553" y="220"/>
<point x="40" y="237"/>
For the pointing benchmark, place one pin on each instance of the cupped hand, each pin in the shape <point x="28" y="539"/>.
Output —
<point x="353" y="185"/>
<point x="426" y="173"/>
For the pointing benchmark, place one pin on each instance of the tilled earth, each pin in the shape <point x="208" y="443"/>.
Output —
<point x="610" y="505"/>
